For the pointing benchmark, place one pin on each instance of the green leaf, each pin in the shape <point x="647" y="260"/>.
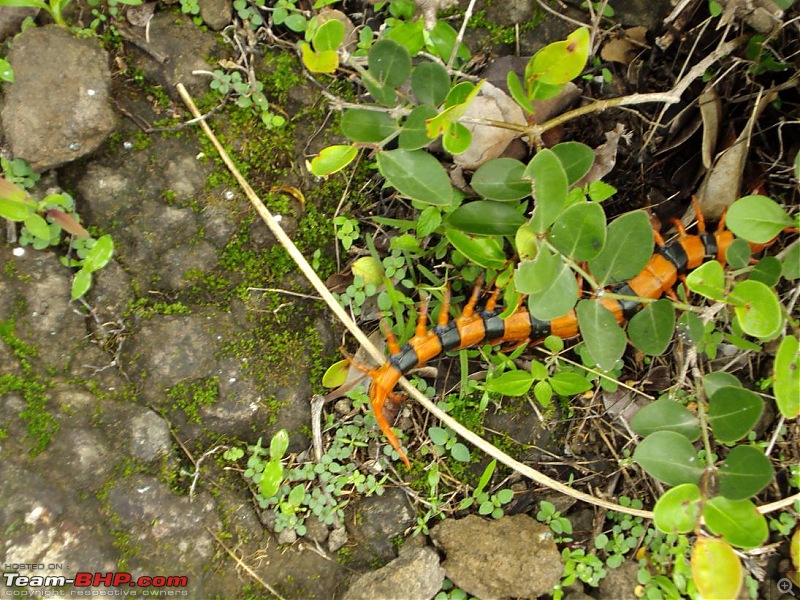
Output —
<point x="409" y="34"/>
<point x="389" y="63"/>
<point x="429" y="220"/>
<point x="669" y="457"/>
<point x="744" y="473"/>
<point x="717" y="379"/>
<point x="456" y="139"/>
<point x="651" y="328"/>
<point x="666" y="415"/>
<point x="460" y="452"/>
<point x="543" y="392"/>
<point x="430" y="83"/>
<point x="442" y="39"/>
<point x="81" y="283"/>
<point x="501" y="179"/>
<point x="271" y="479"/>
<point x="332" y="159"/>
<point x="99" y="254"/>
<point x="568" y="383"/>
<point x="329" y="36"/>
<point x="678" y="509"/>
<point x="738" y="522"/>
<point x="486" y="252"/>
<point x="757" y="219"/>
<point x="510" y="383"/>
<point x="6" y="72"/>
<point x="534" y="276"/>
<point x="369" y="269"/>
<point x="786" y="377"/>
<point x="383" y="94"/>
<point x="279" y="444"/>
<point x="37" y="226"/>
<point x="438" y="435"/>
<point x="576" y="158"/>
<point x="791" y="262"/>
<point x="416" y="174"/>
<point x="367" y="126"/>
<point x="413" y="134"/>
<point x="549" y="181"/>
<point x="628" y="248"/>
<point x="325" y="61"/>
<point x="558" y="298"/>
<point x="11" y="191"/>
<point x="15" y="210"/>
<point x="519" y="95"/>
<point x="336" y="374"/>
<point x="580" y="231"/>
<point x="732" y="413"/>
<point x="716" y="569"/>
<point x="767" y="271"/>
<point x="603" y="337"/>
<point x="758" y="309"/>
<point x="708" y="280"/>
<point x="561" y="62"/>
<point x="738" y="254"/>
<point x="297" y="495"/>
<point x="484" y="217"/>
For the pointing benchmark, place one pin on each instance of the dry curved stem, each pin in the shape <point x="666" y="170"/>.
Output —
<point x="379" y="358"/>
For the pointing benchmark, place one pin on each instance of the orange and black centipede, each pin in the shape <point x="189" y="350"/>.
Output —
<point x="475" y="327"/>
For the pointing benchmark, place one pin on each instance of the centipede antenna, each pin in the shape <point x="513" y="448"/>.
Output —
<point x="469" y="309"/>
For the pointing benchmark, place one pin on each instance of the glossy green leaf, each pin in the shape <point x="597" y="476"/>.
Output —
<point x="628" y="247"/>
<point x="81" y="283"/>
<point x="329" y="36"/>
<point x="558" y="298"/>
<point x="11" y="191"/>
<point x="369" y="269"/>
<point x="666" y="415"/>
<point x="271" y="479"/>
<point x="416" y="174"/>
<point x="733" y="412"/>
<point x="429" y="220"/>
<point x="549" y="184"/>
<point x="758" y="309"/>
<point x="717" y="379"/>
<point x="678" y="509"/>
<point x="501" y="179"/>
<point x="526" y="242"/>
<point x="744" y="473"/>
<point x="567" y="383"/>
<point x="518" y="93"/>
<point x="409" y="34"/>
<point x="603" y="337"/>
<point x="37" y="226"/>
<point x="336" y="374"/>
<point x="370" y="126"/>
<point x="442" y="39"/>
<point x="786" y="377"/>
<point x="576" y="158"/>
<point x="708" y="280"/>
<point x="455" y="105"/>
<point x="16" y="210"/>
<point x="543" y="392"/>
<point x="580" y="231"/>
<point x="561" y="62"/>
<point x="389" y="63"/>
<point x="738" y="522"/>
<point x="456" y="139"/>
<point x="325" y="61"/>
<point x="534" y="276"/>
<point x="99" y="254"/>
<point x="383" y="94"/>
<point x="484" y="217"/>
<point x="510" y="383"/>
<point x="669" y="457"/>
<point x="738" y="254"/>
<point x="484" y="251"/>
<point x="413" y="134"/>
<point x="332" y="159"/>
<point x="279" y="444"/>
<point x="716" y="569"/>
<point x="430" y="83"/>
<point x="652" y="327"/>
<point x="757" y="219"/>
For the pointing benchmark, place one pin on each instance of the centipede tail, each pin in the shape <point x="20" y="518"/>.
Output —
<point x="474" y="327"/>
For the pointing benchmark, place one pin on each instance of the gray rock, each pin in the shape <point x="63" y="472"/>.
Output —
<point x="216" y="13"/>
<point x="376" y="522"/>
<point x="57" y="110"/>
<point x="620" y="582"/>
<point x="416" y="575"/>
<point x="150" y="438"/>
<point x="514" y="556"/>
<point x="11" y="17"/>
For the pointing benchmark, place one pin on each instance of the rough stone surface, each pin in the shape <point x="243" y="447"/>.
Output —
<point x="621" y="581"/>
<point x="416" y="572"/>
<point x="216" y="13"/>
<point x="57" y="110"/>
<point x="524" y="560"/>
<point x="376" y="521"/>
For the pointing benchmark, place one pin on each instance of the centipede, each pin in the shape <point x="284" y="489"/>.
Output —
<point x="476" y="327"/>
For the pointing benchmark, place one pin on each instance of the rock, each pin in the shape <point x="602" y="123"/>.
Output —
<point x="11" y="17"/>
<point x="416" y="573"/>
<point x="620" y="582"/>
<point x="57" y="110"/>
<point x="150" y="438"/>
<point x="216" y="13"/>
<point x="514" y="556"/>
<point x="376" y="522"/>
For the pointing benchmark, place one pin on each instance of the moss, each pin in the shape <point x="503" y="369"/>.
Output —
<point x="146" y="309"/>
<point x="190" y="397"/>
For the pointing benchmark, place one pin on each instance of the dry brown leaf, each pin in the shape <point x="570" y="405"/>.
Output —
<point x="624" y="50"/>
<point x="711" y="113"/>
<point x="138" y="16"/>
<point x="605" y="156"/>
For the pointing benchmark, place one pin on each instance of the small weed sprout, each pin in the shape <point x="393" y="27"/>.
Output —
<point x="560" y="526"/>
